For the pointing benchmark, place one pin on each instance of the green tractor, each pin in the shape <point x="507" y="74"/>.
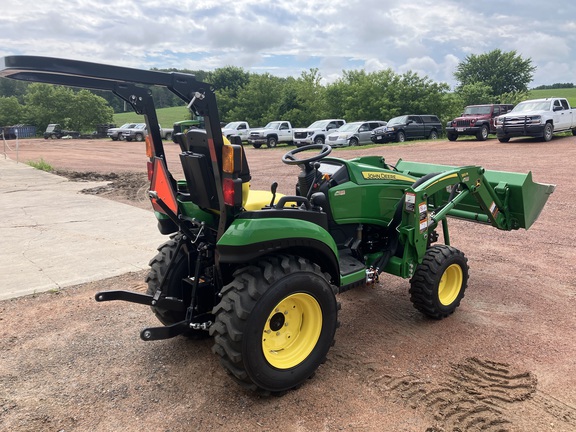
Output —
<point x="260" y="272"/>
<point x="184" y="126"/>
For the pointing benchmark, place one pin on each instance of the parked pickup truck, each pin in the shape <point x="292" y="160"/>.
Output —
<point x="539" y="118"/>
<point x="116" y="133"/>
<point x="272" y="134"/>
<point x="478" y="120"/>
<point x="55" y="131"/>
<point x="407" y="127"/>
<point x="139" y="132"/>
<point x="317" y="132"/>
<point x="240" y="128"/>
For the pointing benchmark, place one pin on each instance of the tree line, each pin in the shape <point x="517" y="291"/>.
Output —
<point x="494" y="77"/>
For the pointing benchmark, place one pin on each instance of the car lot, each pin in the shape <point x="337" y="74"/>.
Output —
<point x="64" y="359"/>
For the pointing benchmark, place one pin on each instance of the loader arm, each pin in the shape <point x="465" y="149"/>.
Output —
<point x="507" y="201"/>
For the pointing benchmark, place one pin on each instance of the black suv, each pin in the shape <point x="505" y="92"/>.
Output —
<point x="408" y="127"/>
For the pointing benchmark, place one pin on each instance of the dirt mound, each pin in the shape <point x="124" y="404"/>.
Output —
<point x="128" y="187"/>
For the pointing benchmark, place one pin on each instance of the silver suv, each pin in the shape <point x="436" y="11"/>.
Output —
<point x="353" y="134"/>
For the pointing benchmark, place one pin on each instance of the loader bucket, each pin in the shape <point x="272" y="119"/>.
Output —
<point x="523" y="198"/>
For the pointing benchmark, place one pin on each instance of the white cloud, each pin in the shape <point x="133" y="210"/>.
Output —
<point x="287" y="36"/>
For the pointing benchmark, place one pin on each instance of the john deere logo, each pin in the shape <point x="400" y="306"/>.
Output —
<point x="376" y="175"/>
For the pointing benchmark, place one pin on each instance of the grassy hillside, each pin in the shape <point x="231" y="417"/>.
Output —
<point x="568" y="93"/>
<point x="166" y="116"/>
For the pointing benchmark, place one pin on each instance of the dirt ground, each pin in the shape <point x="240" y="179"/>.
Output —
<point x="505" y="361"/>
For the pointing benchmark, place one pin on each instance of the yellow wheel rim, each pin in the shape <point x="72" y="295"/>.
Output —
<point x="450" y="284"/>
<point x="292" y="331"/>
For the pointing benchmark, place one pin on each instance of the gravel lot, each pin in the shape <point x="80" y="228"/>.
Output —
<point x="505" y="361"/>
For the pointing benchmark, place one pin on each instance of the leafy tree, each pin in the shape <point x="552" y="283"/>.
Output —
<point x="361" y="96"/>
<point x="302" y="99"/>
<point x="384" y="94"/>
<point x="475" y="93"/>
<point x="10" y="111"/>
<point x="228" y="81"/>
<point x="11" y="87"/>
<point x="554" y="86"/>
<point x="89" y="111"/>
<point x="504" y="72"/>
<point x="80" y="110"/>
<point x="257" y="102"/>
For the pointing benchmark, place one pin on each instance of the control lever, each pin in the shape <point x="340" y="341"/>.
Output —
<point x="316" y="168"/>
<point x="273" y="188"/>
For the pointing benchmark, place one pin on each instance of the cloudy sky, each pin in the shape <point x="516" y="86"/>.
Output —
<point x="286" y="37"/>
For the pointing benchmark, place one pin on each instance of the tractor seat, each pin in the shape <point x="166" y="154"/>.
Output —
<point x="197" y="168"/>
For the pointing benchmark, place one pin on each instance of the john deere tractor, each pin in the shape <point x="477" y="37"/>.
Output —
<point x="259" y="271"/>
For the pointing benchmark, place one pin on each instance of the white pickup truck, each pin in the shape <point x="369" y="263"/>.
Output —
<point x="539" y="118"/>
<point x="317" y="132"/>
<point x="240" y="128"/>
<point x="272" y="134"/>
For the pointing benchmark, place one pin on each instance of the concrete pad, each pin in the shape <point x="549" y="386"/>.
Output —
<point x="53" y="236"/>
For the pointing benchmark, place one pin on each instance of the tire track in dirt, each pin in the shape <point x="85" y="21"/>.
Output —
<point x="475" y="394"/>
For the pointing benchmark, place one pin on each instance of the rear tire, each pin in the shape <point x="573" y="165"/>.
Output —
<point x="439" y="282"/>
<point x="174" y="285"/>
<point x="275" y="324"/>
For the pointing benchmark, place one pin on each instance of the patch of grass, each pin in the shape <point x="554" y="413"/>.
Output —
<point x="166" y="116"/>
<point x="568" y="93"/>
<point x="42" y="165"/>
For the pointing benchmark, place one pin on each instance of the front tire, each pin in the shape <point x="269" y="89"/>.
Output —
<point x="452" y="137"/>
<point x="433" y="135"/>
<point x="439" y="282"/>
<point x="548" y="132"/>
<point x="482" y="134"/>
<point x="271" y="142"/>
<point x="504" y="139"/>
<point x="400" y="136"/>
<point x="275" y="324"/>
<point x="353" y="142"/>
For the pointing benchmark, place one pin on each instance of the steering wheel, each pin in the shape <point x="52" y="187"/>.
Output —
<point x="289" y="158"/>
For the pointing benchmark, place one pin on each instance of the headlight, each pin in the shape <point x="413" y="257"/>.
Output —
<point x="534" y="119"/>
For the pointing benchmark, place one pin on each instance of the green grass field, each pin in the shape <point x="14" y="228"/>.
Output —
<point x="568" y="93"/>
<point x="166" y="116"/>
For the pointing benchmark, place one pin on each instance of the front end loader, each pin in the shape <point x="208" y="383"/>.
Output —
<point x="259" y="271"/>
